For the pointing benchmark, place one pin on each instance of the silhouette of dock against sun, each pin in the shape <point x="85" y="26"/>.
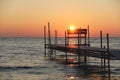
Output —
<point x="82" y="48"/>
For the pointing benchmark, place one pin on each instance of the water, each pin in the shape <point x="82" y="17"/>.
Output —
<point x="23" y="59"/>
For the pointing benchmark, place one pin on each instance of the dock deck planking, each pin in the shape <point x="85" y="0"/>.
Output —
<point x="115" y="54"/>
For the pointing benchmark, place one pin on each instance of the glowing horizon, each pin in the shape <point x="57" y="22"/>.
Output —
<point x="26" y="18"/>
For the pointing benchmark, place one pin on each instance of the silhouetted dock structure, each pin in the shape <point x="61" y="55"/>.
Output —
<point x="82" y="48"/>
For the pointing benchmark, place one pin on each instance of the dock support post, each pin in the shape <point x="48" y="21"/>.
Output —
<point x="79" y="36"/>
<point x="55" y="40"/>
<point x="85" y="57"/>
<point x="108" y="56"/>
<point x="85" y="36"/>
<point x="56" y="37"/>
<point x="104" y="56"/>
<point x="101" y="47"/>
<point x="88" y="36"/>
<point x="67" y="40"/>
<point x="79" y="39"/>
<point x="49" y="41"/>
<point x="88" y="40"/>
<point x="85" y="39"/>
<point x="44" y="41"/>
<point x="101" y="39"/>
<point x="66" y="47"/>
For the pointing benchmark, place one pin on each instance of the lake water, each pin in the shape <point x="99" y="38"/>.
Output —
<point x="23" y="59"/>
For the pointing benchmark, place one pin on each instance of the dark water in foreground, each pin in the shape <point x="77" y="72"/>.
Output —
<point x="22" y="59"/>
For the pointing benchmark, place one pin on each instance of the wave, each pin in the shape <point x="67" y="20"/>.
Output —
<point x="15" y="67"/>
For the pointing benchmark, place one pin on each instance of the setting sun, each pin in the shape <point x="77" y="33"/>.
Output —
<point x="72" y="28"/>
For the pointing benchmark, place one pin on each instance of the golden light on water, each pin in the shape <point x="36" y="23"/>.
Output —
<point x="72" y="77"/>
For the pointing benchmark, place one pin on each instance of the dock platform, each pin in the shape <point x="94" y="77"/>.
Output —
<point x="92" y="51"/>
<point x="82" y="48"/>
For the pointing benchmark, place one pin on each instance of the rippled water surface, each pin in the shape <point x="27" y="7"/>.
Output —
<point x="23" y="59"/>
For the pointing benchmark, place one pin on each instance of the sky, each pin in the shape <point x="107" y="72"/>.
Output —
<point x="27" y="18"/>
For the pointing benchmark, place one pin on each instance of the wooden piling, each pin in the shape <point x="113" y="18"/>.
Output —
<point x="55" y="42"/>
<point x="44" y="40"/>
<point x="49" y="34"/>
<point x="49" y="41"/>
<point x="101" y="47"/>
<point x="85" y="57"/>
<point x="101" y="39"/>
<point x="104" y="61"/>
<point x="56" y="36"/>
<point x="88" y="36"/>
<point x="85" y="39"/>
<point x="108" y="56"/>
<point x="65" y="47"/>
<point x="79" y="39"/>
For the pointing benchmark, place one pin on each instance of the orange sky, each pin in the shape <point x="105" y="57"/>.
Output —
<point x="26" y="18"/>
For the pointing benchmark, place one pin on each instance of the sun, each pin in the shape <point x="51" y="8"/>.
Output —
<point x="72" y="28"/>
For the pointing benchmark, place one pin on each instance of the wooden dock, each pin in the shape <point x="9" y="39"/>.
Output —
<point x="82" y="48"/>
<point x="61" y="47"/>
<point x="91" y="51"/>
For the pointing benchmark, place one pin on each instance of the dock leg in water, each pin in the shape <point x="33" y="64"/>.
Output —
<point x="109" y="75"/>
